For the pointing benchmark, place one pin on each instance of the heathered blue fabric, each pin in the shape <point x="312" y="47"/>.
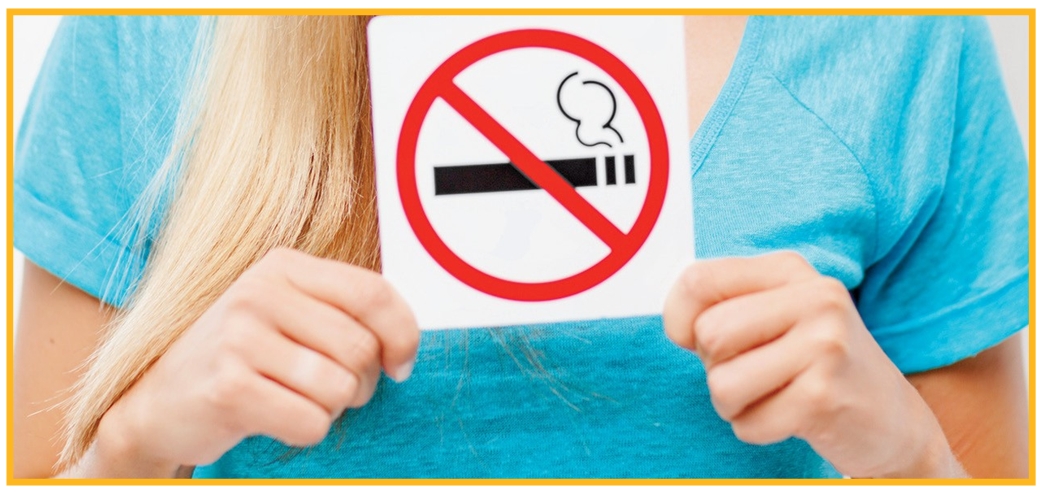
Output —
<point x="881" y="148"/>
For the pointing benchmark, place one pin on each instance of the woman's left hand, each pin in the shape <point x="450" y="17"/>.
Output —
<point x="787" y="355"/>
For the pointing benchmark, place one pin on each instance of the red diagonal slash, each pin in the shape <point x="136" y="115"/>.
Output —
<point x="530" y="165"/>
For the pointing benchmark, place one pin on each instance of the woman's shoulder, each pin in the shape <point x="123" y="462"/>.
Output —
<point x="859" y="64"/>
<point x="96" y="128"/>
<point x="920" y="105"/>
<point x="125" y="38"/>
<point x="131" y="29"/>
<point x="849" y="46"/>
<point x="879" y="81"/>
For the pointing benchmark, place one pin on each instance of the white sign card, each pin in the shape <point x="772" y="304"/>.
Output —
<point x="531" y="169"/>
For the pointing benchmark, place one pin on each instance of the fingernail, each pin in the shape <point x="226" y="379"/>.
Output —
<point x="401" y="373"/>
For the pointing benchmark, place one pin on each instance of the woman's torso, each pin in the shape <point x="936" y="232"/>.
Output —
<point x="607" y="398"/>
<point x="815" y="117"/>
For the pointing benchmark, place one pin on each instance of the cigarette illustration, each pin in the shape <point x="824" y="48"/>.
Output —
<point x="590" y="105"/>
<point x="505" y="177"/>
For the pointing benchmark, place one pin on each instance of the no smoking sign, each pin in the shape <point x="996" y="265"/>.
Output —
<point x="530" y="169"/>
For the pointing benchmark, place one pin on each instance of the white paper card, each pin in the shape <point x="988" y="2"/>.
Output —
<point x="531" y="169"/>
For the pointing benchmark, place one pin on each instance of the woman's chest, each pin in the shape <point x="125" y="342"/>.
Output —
<point x="774" y="176"/>
<point x="611" y="398"/>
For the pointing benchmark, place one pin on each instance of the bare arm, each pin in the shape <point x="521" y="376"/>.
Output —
<point x="58" y="327"/>
<point x="787" y="355"/>
<point x="241" y="369"/>
<point x="981" y="404"/>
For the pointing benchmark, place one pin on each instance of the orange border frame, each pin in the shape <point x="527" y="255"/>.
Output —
<point x="11" y="13"/>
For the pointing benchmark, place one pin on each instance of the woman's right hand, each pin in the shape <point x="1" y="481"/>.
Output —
<point x="291" y="344"/>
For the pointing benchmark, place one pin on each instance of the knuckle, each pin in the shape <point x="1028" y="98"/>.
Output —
<point x="364" y="349"/>
<point x="696" y="278"/>
<point x="360" y="400"/>
<point x="829" y="340"/>
<point x="363" y="394"/>
<point x="723" y="392"/>
<point x="346" y="391"/>
<point x="749" y="432"/>
<point x="792" y="260"/>
<point x="246" y="294"/>
<point x="376" y="295"/>
<point x="238" y="301"/>
<point x="313" y="429"/>
<point x="236" y="336"/>
<point x="818" y="396"/>
<point x="229" y="386"/>
<point x="813" y="433"/>
<point x="678" y="337"/>
<point x="279" y="256"/>
<point x="708" y="333"/>
<point x="832" y="294"/>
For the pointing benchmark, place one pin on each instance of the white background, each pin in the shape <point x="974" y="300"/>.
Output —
<point x="33" y="33"/>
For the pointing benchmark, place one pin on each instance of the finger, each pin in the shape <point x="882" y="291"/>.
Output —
<point x="781" y="415"/>
<point x="365" y="295"/>
<point x="750" y="377"/>
<point x="708" y="282"/>
<point x="326" y="329"/>
<point x="307" y="372"/>
<point x="367" y="385"/>
<point x="285" y="415"/>
<point x="740" y="324"/>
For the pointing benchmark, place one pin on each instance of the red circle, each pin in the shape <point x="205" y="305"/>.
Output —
<point x="619" y="254"/>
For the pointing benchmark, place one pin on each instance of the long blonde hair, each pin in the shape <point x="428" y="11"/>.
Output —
<point x="272" y="148"/>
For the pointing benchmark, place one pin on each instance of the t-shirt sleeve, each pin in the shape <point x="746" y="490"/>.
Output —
<point x="97" y="125"/>
<point x="67" y="198"/>
<point x="956" y="280"/>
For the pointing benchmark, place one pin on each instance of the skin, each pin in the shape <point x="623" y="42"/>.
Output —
<point x="787" y="355"/>
<point x="785" y="352"/>
<point x="711" y="45"/>
<point x="58" y="327"/>
<point x="981" y="403"/>
<point x="290" y="345"/>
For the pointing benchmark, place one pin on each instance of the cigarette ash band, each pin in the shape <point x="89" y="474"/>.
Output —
<point x="505" y="177"/>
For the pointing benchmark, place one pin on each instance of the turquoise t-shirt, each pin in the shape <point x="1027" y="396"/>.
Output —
<point x="881" y="148"/>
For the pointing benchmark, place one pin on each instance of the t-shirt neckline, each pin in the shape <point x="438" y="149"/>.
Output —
<point x="708" y="131"/>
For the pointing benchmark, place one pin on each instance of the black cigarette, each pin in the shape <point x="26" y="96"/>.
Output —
<point x="611" y="169"/>
<point x="505" y="177"/>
